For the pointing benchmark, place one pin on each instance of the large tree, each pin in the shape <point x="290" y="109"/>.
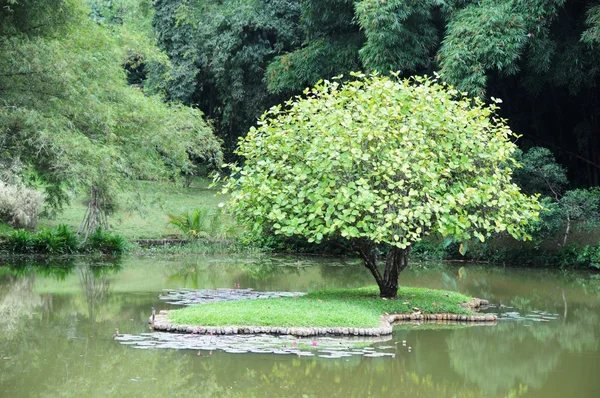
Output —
<point x="219" y="50"/>
<point x="378" y="164"/>
<point x="68" y="120"/>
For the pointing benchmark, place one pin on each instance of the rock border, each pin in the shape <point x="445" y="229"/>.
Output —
<point x="161" y="322"/>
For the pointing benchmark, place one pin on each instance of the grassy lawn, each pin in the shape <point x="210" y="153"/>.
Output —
<point x="332" y="308"/>
<point x="4" y="228"/>
<point x="150" y="220"/>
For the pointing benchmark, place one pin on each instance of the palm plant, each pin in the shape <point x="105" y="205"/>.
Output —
<point x="195" y="225"/>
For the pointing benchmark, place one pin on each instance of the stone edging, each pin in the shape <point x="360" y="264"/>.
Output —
<point x="161" y="323"/>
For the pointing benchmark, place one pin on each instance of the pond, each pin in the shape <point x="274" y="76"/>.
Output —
<point x="57" y="325"/>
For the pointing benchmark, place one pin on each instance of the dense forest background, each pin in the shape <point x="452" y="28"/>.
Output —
<point x="234" y="59"/>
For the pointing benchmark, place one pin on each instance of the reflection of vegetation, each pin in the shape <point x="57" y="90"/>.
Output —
<point x="500" y="358"/>
<point x="17" y="300"/>
<point x="58" y="268"/>
<point x="94" y="285"/>
<point x="263" y="272"/>
<point x="54" y="328"/>
<point x="86" y="366"/>
<point x="357" y="377"/>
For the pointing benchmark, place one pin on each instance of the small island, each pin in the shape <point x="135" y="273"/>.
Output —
<point x="357" y="312"/>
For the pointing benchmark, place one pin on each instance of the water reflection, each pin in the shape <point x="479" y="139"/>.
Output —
<point x="56" y="327"/>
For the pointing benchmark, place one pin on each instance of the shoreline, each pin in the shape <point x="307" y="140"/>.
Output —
<point x="162" y="323"/>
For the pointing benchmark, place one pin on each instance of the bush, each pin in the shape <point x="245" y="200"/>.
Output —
<point x="201" y="223"/>
<point x="590" y="255"/>
<point x="105" y="242"/>
<point x="20" y="241"/>
<point x="531" y="255"/>
<point x="62" y="240"/>
<point x="20" y="206"/>
<point x="428" y="250"/>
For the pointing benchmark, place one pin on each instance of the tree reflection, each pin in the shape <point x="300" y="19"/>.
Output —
<point x="94" y="286"/>
<point x="498" y="359"/>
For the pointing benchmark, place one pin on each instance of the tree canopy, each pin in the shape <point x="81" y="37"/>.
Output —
<point x="380" y="162"/>
<point x="219" y="50"/>
<point x="68" y="119"/>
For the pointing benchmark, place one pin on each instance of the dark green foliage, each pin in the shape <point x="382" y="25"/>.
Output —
<point x="105" y="242"/>
<point x="324" y="57"/>
<point x="220" y="50"/>
<point x="590" y="256"/>
<point x="430" y="250"/>
<point x="507" y="252"/>
<point x="59" y="240"/>
<point x="401" y="35"/>
<point x="539" y="173"/>
<point x="332" y="41"/>
<point x="322" y="18"/>
<point x="20" y="241"/>
<point x="481" y="38"/>
<point x="62" y="240"/>
<point x="591" y="35"/>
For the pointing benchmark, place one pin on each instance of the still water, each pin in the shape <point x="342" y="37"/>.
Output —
<point x="57" y="325"/>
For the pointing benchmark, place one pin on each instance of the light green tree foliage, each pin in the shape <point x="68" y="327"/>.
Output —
<point x="68" y="119"/>
<point x="380" y="163"/>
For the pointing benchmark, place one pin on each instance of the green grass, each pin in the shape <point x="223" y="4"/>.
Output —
<point x="5" y="229"/>
<point x="151" y="219"/>
<point x="331" y="308"/>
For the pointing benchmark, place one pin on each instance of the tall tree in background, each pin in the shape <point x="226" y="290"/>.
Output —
<point x="69" y="121"/>
<point x="220" y="50"/>
<point x="331" y="41"/>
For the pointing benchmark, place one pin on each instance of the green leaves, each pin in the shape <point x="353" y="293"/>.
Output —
<point x="400" y="34"/>
<point x="381" y="159"/>
<point x="68" y="117"/>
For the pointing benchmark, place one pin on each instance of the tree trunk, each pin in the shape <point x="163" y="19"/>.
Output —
<point x="95" y="216"/>
<point x="396" y="261"/>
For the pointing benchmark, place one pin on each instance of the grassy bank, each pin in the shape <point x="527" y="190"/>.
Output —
<point x="332" y="308"/>
<point x="145" y="214"/>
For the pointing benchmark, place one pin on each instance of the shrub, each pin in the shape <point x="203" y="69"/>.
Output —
<point x="201" y="223"/>
<point x="105" y="242"/>
<point x="20" y="241"/>
<point x="62" y="240"/>
<point x="590" y="256"/>
<point x="20" y="206"/>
